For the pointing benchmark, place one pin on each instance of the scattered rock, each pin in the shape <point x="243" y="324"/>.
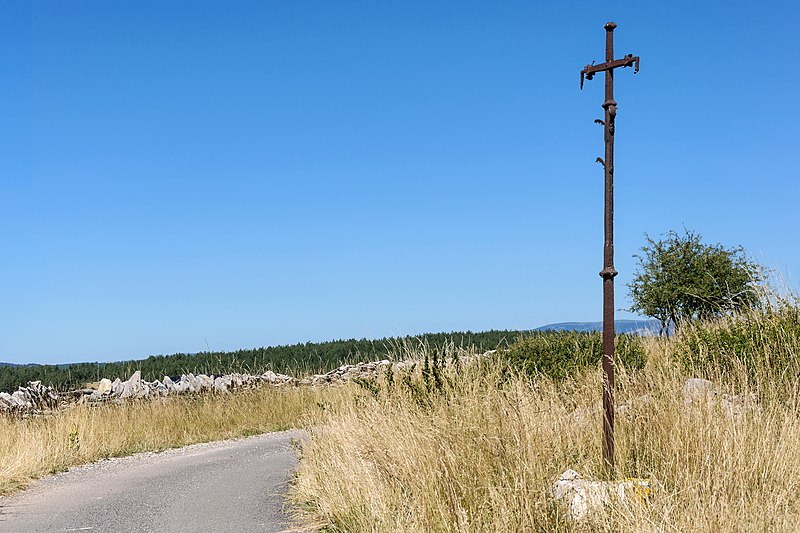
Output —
<point x="205" y="382"/>
<point x="133" y="387"/>
<point x="697" y="389"/>
<point x="18" y="399"/>
<point x="702" y="392"/>
<point x="583" y="497"/>
<point x="41" y="397"/>
<point x="93" y="396"/>
<point x="221" y="384"/>
<point x="734" y="405"/>
<point x="105" y="386"/>
<point x="5" y="401"/>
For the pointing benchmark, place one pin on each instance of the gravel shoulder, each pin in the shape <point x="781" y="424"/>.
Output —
<point x="236" y="485"/>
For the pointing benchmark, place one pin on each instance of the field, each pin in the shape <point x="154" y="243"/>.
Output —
<point x="476" y="448"/>
<point x="468" y="443"/>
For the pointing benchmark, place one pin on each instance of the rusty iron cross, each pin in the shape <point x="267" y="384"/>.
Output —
<point x="608" y="272"/>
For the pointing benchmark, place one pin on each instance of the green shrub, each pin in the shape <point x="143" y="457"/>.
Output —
<point x="764" y="343"/>
<point x="561" y="353"/>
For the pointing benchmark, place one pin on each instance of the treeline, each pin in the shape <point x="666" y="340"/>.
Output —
<point x="295" y="360"/>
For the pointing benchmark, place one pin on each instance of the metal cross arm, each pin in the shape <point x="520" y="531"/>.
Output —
<point x="589" y="71"/>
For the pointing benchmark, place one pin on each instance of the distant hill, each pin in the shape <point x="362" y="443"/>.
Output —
<point x="18" y="364"/>
<point x="640" y="327"/>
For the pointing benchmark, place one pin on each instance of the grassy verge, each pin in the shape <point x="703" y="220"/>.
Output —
<point x="476" y="448"/>
<point x="33" y="447"/>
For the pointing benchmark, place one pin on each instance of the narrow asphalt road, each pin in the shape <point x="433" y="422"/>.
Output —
<point x="229" y="486"/>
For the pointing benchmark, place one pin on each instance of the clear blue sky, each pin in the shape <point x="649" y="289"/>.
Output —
<point x="184" y="175"/>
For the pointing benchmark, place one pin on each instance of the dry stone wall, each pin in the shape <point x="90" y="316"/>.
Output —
<point x="38" y="398"/>
<point x="34" y="396"/>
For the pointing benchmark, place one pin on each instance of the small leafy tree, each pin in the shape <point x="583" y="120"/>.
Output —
<point x="681" y="278"/>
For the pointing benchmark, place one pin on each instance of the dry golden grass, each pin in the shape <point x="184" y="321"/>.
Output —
<point x="33" y="447"/>
<point x="475" y="449"/>
<point x="481" y="455"/>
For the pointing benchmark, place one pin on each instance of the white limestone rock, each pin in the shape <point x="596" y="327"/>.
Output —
<point x="181" y="386"/>
<point x="20" y="400"/>
<point x="133" y="387"/>
<point x="95" y="396"/>
<point x="283" y="378"/>
<point x="116" y="388"/>
<point x="222" y="383"/>
<point x="105" y="386"/>
<point x="6" y="402"/>
<point x="158" y="389"/>
<point x="735" y="405"/>
<point x="39" y="396"/>
<point x="583" y="497"/>
<point x="189" y="383"/>
<point x="697" y="389"/>
<point x="192" y="383"/>
<point x="204" y="382"/>
<point x="702" y="392"/>
<point x="169" y="385"/>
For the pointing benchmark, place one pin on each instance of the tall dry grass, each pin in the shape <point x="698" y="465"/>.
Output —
<point x="479" y="452"/>
<point x="33" y="447"/>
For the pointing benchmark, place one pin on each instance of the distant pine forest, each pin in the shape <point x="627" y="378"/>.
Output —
<point x="295" y="360"/>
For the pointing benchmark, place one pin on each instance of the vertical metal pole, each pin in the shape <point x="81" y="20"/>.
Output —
<point x="608" y="272"/>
